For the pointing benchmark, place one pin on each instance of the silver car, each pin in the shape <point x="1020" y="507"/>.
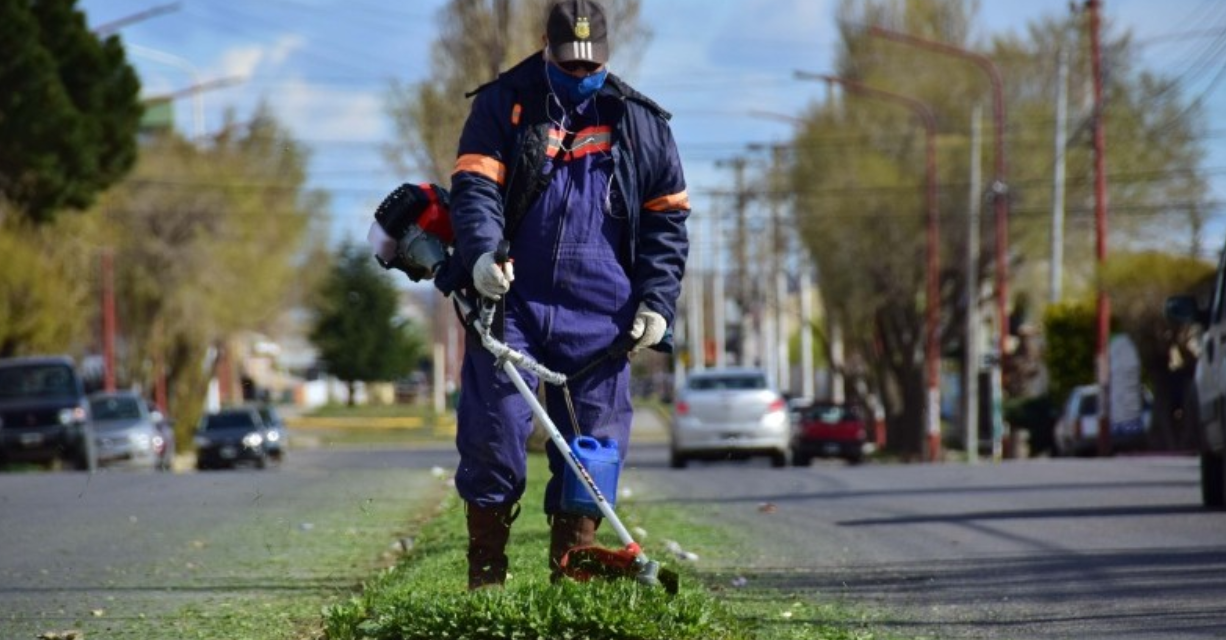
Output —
<point x="729" y="413"/>
<point x="126" y="434"/>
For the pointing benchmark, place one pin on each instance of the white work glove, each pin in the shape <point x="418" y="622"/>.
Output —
<point x="648" y="328"/>
<point x="491" y="280"/>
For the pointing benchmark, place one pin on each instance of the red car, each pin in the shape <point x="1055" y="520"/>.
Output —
<point x="831" y="430"/>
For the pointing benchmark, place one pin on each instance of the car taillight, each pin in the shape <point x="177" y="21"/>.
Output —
<point x="777" y="405"/>
<point x="682" y="408"/>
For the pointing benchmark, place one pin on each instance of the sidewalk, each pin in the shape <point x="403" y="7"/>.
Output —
<point x="650" y="426"/>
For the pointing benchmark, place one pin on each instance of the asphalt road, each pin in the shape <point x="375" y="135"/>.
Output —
<point x="118" y="553"/>
<point x="1040" y="549"/>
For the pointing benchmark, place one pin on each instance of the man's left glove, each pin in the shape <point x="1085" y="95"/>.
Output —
<point x="648" y="328"/>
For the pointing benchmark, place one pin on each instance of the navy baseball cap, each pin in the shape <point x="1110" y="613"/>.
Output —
<point x="577" y="31"/>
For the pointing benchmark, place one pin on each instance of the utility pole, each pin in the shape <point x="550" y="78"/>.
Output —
<point x="1057" y="191"/>
<point x="696" y="317"/>
<point x="740" y="255"/>
<point x="1100" y="227"/>
<point x="719" y="287"/>
<point x="779" y="253"/>
<point x="971" y="362"/>
<point x="108" y="320"/>
<point x="807" y="383"/>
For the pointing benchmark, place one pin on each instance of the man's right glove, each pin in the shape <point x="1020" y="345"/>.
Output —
<point x="648" y="328"/>
<point x="490" y="279"/>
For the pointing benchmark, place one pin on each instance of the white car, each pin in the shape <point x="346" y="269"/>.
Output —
<point x="126" y="434"/>
<point x="1076" y="431"/>
<point x="729" y="413"/>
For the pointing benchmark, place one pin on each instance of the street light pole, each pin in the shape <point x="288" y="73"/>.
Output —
<point x="1000" y="192"/>
<point x="933" y="237"/>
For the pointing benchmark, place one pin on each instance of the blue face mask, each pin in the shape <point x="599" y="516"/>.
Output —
<point x="572" y="89"/>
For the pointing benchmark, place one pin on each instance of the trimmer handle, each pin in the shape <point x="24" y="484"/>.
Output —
<point x="618" y="349"/>
<point x="503" y="252"/>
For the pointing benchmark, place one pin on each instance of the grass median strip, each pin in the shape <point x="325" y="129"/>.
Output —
<point x="424" y="595"/>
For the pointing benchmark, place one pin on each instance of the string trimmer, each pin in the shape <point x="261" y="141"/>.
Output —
<point x="579" y="563"/>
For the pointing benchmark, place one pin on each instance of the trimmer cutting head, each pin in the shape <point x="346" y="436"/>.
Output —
<point x="585" y="563"/>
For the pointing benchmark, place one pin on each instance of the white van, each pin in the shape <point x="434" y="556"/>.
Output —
<point x="1076" y="431"/>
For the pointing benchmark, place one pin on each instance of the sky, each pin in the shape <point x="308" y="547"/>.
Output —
<point x="724" y="68"/>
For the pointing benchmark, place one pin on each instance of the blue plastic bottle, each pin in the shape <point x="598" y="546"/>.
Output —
<point x="603" y="462"/>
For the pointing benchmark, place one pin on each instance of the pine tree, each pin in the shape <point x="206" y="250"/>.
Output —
<point x="357" y="330"/>
<point x="69" y="109"/>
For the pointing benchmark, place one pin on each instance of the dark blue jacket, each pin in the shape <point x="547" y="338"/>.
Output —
<point x="499" y="154"/>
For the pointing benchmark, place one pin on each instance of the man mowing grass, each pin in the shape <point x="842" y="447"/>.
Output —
<point x="581" y="174"/>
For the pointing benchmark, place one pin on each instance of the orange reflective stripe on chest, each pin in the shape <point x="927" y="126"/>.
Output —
<point x="587" y="141"/>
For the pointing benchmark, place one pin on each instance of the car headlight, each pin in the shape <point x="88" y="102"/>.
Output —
<point x="253" y="440"/>
<point x="273" y="436"/>
<point x="142" y="441"/>
<point x="71" y="415"/>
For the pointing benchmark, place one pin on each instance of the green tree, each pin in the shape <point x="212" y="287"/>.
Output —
<point x="478" y="38"/>
<point x="857" y="176"/>
<point x="209" y="241"/>
<point x="44" y="306"/>
<point x="1070" y="331"/>
<point x="357" y="330"/>
<point x="1139" y="284"/>
<point x="69" y="109"/>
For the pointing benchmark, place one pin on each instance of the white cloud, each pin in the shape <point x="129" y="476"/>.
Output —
<point x="317" y="112"/>
<point x="247" y="60"/>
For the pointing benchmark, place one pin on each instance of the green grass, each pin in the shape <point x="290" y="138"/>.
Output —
<point x="425" y="596"/>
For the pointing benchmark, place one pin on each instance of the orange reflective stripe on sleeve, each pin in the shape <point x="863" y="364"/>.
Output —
<point x="484" y="165"/>
<point x="669" y="202"/>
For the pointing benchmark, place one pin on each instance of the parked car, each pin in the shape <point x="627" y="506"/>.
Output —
<point x="830" y="430"/>
<point x="274" y="431"/>
<point x="44" y="413"/>
<point x="1076" y="430"/>
<point x="1205" y="399"/>
<point x="230" y="437"/>
<point x="729" y="413"/>
<point x="126" y="434"/>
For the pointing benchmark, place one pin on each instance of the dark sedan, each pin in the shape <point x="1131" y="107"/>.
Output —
<point x="231" y="437"/>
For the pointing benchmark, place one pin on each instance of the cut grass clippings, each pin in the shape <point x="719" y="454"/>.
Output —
<point x="425" y="597"/>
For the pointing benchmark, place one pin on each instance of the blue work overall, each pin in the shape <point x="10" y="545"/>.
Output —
<point x="570" y="301"/>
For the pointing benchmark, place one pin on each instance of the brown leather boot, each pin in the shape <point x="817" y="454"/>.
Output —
<point x="567" y="531"/>
<point x="488" y="531"/>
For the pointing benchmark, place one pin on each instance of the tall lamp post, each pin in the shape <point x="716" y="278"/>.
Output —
<point x="921" y="110"/>
<point x="1000" y="191"/>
